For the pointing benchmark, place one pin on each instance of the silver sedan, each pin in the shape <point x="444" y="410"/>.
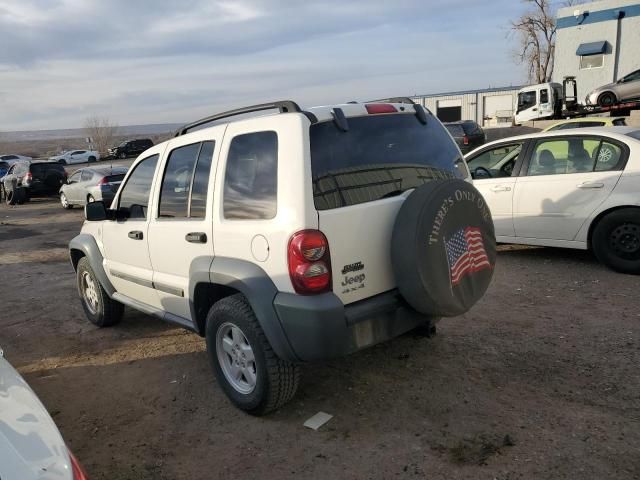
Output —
<point x="91" y="184"/>
<point x="627" y="88"/>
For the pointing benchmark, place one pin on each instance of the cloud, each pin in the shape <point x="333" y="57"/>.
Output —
<point x="169" y="61"/>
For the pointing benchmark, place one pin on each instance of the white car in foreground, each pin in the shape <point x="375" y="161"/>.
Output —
<point x="31" y="447"/>
<point x="568" y="188"/>
<point x="76" y="156"/>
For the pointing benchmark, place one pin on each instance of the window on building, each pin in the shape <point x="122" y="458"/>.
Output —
<point x="250" y="183"/>
<point x="591" y="61"/>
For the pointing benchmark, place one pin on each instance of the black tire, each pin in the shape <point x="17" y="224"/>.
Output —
<point x="615" y="240"/>
<point x="276" y="379"/>
<point x="90" y="199"/>
<point x="23" y="196"/>
<point x="443" y="248"/>
<point x="65" y="202"/>
<point x="10" y="196"/>
<point x="106" y="312"/>
<point x="607" y="99"/>
<point x="91" y="159"/>
<point x="62" y="162"/>
<point x="122" y="155"/>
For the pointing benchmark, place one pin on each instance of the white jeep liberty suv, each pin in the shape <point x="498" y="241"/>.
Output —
<point x="289" y="237"/>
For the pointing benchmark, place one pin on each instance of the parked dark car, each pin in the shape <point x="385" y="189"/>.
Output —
<point x="467" y="134"/>
<point x="91" y="184"/>
<point x="130" y="148"/>
<point x="27" y="179"/>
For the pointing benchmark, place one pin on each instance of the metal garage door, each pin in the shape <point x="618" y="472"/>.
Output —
<point x="498" y="109"/>
<point x="449" y="110"/>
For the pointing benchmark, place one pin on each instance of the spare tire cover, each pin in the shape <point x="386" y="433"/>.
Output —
<point x="443" y="248"/>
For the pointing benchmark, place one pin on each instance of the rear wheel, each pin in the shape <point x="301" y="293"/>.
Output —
<point x="606" y="99"/>
<point x="245" y="365"/>
<point x="10" y="196"/>
<point x="90" y="199"/>
<point x="99" y="308"/>
<point x="122" y="155"/>
<point x="62" y="162"/>
<point x="92" y="159"/>
<point x="616" y="240"/>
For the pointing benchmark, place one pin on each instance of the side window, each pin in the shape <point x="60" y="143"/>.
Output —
<point x="498" y="161"/>
<point x="201" y="181"/>
<point x="544" y="96"/>
<point x="563" y="155"/>
<point x="184" y="192"/>
<point x="86" y="175"/>
<point x="526" y="100"/>
<point x="608" y="157"/>
<point x="250" y="183"/>
<point x="174" y="196"/>
<point x="134" y="198"/>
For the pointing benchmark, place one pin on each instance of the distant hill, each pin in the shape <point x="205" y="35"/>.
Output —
<point x="123" y="131"/>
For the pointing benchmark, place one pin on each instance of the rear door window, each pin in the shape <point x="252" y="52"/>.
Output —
<point x="379" y="156"/>
<point x="251" y="178"/>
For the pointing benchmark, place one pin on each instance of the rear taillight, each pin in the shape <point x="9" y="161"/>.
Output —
<point x="380" y="108"/>
<point x="76" y="468"/>
<point x="28" y="177"/>
<point x="465" y="140"/>
<point x="104" y="181"/>
<point x="309" y="262"/>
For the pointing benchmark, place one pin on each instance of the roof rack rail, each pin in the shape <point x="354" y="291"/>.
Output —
<point x="393" y="100"/>
<point x="284" y="106"/>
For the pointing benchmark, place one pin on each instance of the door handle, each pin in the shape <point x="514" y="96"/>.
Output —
<point x="136" y="235"/>
<point x="500" y="188"/>
<point x="591" y="185"/>
<point x="196" y="237"/>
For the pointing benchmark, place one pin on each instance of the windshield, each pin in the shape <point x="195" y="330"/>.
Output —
<point x="379" y="156"/>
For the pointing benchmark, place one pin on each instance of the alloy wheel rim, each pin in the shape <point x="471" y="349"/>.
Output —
<point x="63" y="200"/>
<point x="236" y="358"/>
<point x="625" y="241"/>
<point x="90" y="292"/>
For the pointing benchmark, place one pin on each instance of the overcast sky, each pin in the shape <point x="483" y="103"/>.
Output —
<point x="166" y="61"/>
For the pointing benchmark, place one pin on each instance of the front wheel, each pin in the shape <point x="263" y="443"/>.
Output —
<point x="616" y="240"/>
<point x="91" y="159"/>
<point x="122" y="155"/>
<point x="245" y="365"/>
<point x="65" y="202"/>
<point x="606" y="99"/>
<point x="99" y="308"/>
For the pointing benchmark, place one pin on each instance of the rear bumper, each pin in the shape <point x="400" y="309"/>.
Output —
<point x="321" y="327"/>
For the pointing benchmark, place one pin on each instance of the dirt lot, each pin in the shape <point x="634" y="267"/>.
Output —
<point x="540" y="380"/>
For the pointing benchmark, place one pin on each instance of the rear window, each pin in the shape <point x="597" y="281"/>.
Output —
<point x="115" y="178"/>
<point x="619" y="122"/>
<point x="455" y="130"/>
<point x="44" y="167"/>
<point x="471" y="128"/>
<point x="379" y="156"/>
<point x="635" y="134"/>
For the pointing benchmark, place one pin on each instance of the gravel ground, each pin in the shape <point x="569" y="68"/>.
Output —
<point x="539" y="380"/>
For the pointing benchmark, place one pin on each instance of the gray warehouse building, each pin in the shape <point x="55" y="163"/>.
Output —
<point x="597" y="42"/>
<point x="491" y="107"/>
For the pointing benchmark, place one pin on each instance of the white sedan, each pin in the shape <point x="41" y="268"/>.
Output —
<point x="13" y="158"/>
<point x="567" y="188"/>
<point x="76" y="156"/>
<point x="31" y="447"/>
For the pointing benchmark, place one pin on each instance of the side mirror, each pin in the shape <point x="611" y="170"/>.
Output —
<point x="95" y="212"/>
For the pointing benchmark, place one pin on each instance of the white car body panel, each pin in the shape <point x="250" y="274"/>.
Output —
<point x="31" y="447"/>
<point x="536" y="200"/>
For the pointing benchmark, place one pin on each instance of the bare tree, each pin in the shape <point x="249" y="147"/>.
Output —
<point x="101" y="131"/>
<point x="536" y="32"/>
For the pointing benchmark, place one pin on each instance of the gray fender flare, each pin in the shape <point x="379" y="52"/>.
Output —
<point x="87" y="245"/>
<point x="254" y="283"/>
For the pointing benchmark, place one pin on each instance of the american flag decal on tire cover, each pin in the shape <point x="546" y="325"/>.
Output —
<point x="465" y="253"/>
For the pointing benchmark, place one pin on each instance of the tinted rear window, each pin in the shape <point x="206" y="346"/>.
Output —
<point x="115" y="178"/>
<point x="455" y="130"/>
<point x="379" y="156"/>
<point x="46" y="167"/>
<point x="471" y="128"/>
<point x="635" y="134"/>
